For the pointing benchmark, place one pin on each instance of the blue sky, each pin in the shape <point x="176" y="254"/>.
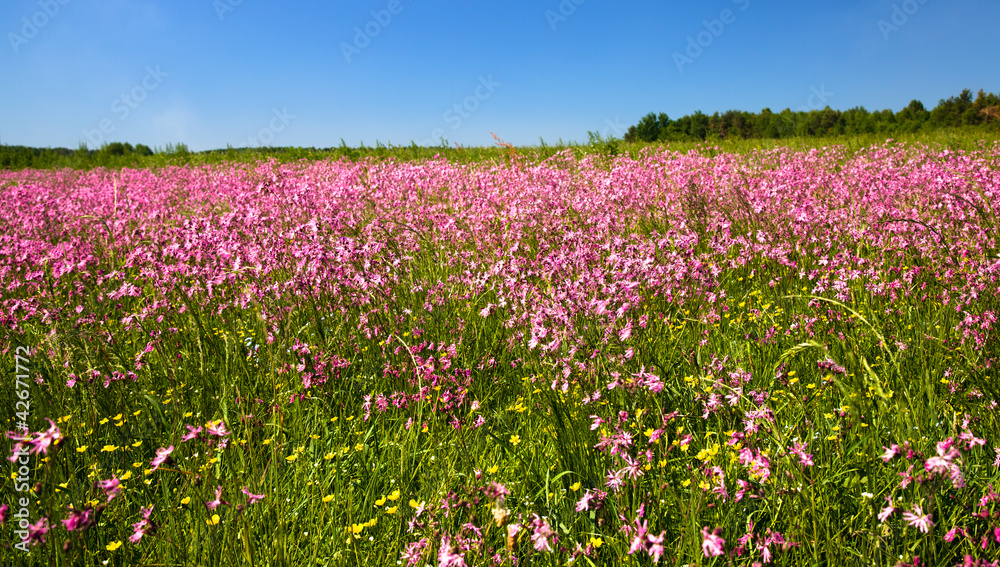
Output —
<point x="212" y="73"/>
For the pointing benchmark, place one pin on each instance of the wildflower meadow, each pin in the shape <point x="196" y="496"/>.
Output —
<point x="778" y="356"/>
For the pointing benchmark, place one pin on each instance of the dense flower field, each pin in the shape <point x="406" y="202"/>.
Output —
<point x="783" y="357"/>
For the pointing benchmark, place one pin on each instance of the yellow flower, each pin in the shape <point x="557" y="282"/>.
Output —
<point x="109" y="449"/>
<point x="291" y="458"/>
<point x="114" y="545"/>
<point x="137" y="443"/>
<point x="328" y="456"/>
<point x="596" y="542"/>
<point x="328" y="498"/>
<point x="575" y="486"/>
<point x="126" y="476"/>
<point x="380" y="501"/>
<point x="515" y="439"/>
<point x="103" y="421"/>
<point x="185" y="501"/>
<point x="391" y="510"/>
<point x="414" y="504"/>
<point x="394" y="496"/>
<point x="214" y="521"/>
<point x="81" y="449"/>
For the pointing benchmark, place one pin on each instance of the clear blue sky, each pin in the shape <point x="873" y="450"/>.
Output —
<point x="252" y="72"/>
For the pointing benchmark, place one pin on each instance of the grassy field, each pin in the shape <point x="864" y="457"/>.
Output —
<point x="741" y="354"/>
<point x="967" y="138"/>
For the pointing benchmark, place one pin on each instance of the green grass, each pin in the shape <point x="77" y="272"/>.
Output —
<point x="967" y="139"/>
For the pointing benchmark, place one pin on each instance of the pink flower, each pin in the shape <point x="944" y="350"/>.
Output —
<point x="798" y="449"/>
<point x="890" y="452"/>
<point x="191" y="434"/>
<point x="213" y="504"/>
<point x="47" y="438"/>
<point x="4" y="510"/>
<point x="885" y="513"/>
<point x="541" y="534"/>
<point x="218" y="429"/>
<point x="639" y="538"/>
<point x="79" y="520"/>
<point x="598" y="422"/>
<point x="251" y="497"/>
<point x="38" y="442"/>
<point x="414" y="550"/>
<point x="615" y="480"/>
<point x="37" y="531"/>
<point x="143" y="526"/>
<point x="626" y="332"/>
<point x="953" y="533"/>
<point x="919" y="519"/>
<point x="162" y="454"/>
<point x="111" y="487"/>
<point x="632" y="467"/>
<point x="711" y="543"/>
<point x="655" y="548"/>
<point x="584" y="503"/>
<point x="447" y="557"/>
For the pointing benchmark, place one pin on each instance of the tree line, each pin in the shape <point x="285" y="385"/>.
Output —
<point x="958" y="111"/>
